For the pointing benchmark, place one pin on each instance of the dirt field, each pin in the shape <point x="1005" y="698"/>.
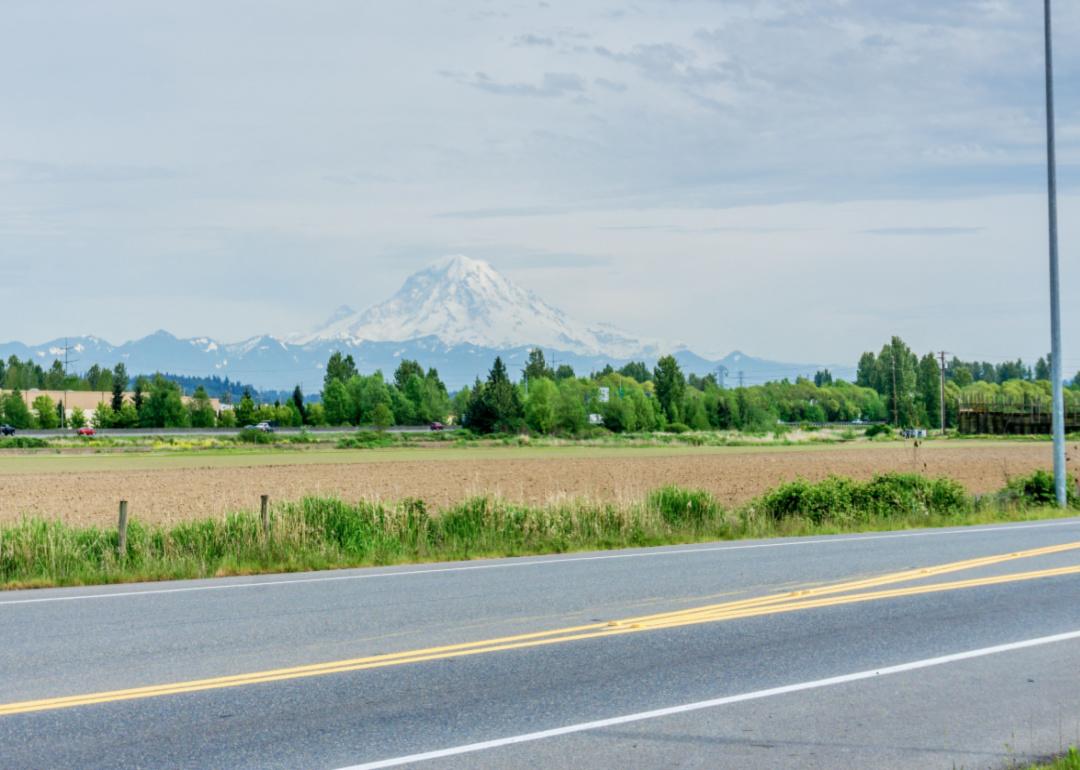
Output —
<point x="85" y="490"/>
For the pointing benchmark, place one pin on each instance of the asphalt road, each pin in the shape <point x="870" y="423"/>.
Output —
<point x="656" y="658"/>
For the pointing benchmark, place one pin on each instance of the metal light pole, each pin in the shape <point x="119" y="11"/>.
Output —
<point x="1055" y="298"/>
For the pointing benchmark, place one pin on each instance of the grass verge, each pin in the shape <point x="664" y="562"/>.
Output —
<point x="323" y="533"/>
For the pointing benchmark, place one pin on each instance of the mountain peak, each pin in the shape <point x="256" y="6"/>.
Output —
<point x="461" y="300"/>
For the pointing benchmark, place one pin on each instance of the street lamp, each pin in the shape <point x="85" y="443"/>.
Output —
<point x="1055" y="292"/>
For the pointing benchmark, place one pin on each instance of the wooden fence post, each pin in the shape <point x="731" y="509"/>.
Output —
<point x="264" y="510"/>
<point x="121" y="543"/>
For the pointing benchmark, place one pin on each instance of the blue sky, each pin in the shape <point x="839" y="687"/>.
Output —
<point x="796" y="179"/>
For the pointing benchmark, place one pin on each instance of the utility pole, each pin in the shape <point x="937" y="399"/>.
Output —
<point x="721" y="375"/>
<point x="740" y="378"/>
<point x="942" y="354"/>
<point x="895" y="401"/>
<point x="1055" y="293"/>
<point x="67" y="361"/>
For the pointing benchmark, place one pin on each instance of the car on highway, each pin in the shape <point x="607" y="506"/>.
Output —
<point x="85" y="431"/>
<point x="7" y="430"/>
<point x="262" y="427"/>
<point x="437" y="426"/>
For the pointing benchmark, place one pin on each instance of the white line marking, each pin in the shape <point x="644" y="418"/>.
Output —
<point x="540" y="562"/>
<point x="715" y="702"/>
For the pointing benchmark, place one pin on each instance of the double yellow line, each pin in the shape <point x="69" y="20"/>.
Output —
<point x="825" y="596"/>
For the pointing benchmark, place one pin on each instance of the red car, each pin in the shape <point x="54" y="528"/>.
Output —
<point x="437" y="426"/>
<point x="87" y="431"/>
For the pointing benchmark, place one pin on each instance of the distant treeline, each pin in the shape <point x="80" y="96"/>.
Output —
<point x="894" y="385"/>
<point x="29" y="375"/>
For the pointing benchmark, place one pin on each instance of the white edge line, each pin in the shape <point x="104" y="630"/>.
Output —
<point x="541" y="561"/>
<point x="714" y="703"/>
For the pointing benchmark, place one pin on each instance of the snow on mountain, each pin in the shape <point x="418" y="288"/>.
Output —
<point x="464" y="301"/>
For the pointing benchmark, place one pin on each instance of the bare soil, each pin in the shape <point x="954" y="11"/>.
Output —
<point x="171" y="494"/>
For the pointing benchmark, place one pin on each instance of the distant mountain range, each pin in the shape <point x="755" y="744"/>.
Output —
<point x="455" y="315"/>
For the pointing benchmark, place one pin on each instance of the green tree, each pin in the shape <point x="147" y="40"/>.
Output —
<point x="928" y="384"/>
<point x="1042" y="368"/>
<point x="340" y="368"/>
<point x="564" y="372"/>
<point x="336" y="403"/>
<point x="637" y="370"/>
<point x="536" y="367"/>
<point x="119" y="385"/>
<point x="127" y="417"/>
<point x="227" y="419"/>
<point x="164" y="407"/>
<point x="405" y="370"/>
<point x="104" y="417"/>
<point x="540" y="405"/>
<point x="866" y="374"/>
<point x="298" y="403"/>
<point x="896" y="378"/>
<point x="16" y="413"/>
<point x="78" y="418"/>
<point x="495" y="407"/>
<point x="245" y="410"/>
<point x="670" y="386"/>
<point x="381" y="416"/>
<point x="316" y="415"/>
<point x="45" y="410"/>
<point x="823" y="377"/>
<point x="200" y="410"/>
<point x="570" y="414"/>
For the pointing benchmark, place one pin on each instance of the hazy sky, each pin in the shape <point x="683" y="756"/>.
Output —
<point x="796" y="179"/>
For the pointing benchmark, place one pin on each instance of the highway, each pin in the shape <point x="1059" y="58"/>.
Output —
<point x="921" y="649"/>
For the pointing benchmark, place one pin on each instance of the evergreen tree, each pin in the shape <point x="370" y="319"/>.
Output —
<point x="823" y="377"/>
<point x="495" y="406"/>
<point x="670" y="387"/>
<point x="564" y="372"/>
<point x="536" y="368"/>
<point x="119" y="385"/>
<point x="1043" y="369"/>
<point x="298" y="402"/>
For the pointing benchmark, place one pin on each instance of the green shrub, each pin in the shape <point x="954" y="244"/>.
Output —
<point x="886" y="495"/>
<point x="367" y="439"/>
<point x="1038" y="489"/>
<point x="22" y="442"/>
<point x="253" y="436"/>
<point x="878" y="430"/>
<point x="677" y="427"/>
<point x="680" y="507"/>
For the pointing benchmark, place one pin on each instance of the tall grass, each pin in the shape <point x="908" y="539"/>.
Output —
<point x="322" y="533"/>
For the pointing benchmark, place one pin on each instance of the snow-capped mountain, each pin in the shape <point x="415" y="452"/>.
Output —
<point x="463" y="301"/>
<point x="456" y="316"/>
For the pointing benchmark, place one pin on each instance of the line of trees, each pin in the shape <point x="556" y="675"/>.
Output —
<point x="413" y="397"/>
<point x="636" y="398"/>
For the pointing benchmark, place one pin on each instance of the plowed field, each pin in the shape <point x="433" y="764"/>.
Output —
<point x="85" y="490"/>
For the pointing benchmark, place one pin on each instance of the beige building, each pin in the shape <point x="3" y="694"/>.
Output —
<point x="87" y="400"/>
